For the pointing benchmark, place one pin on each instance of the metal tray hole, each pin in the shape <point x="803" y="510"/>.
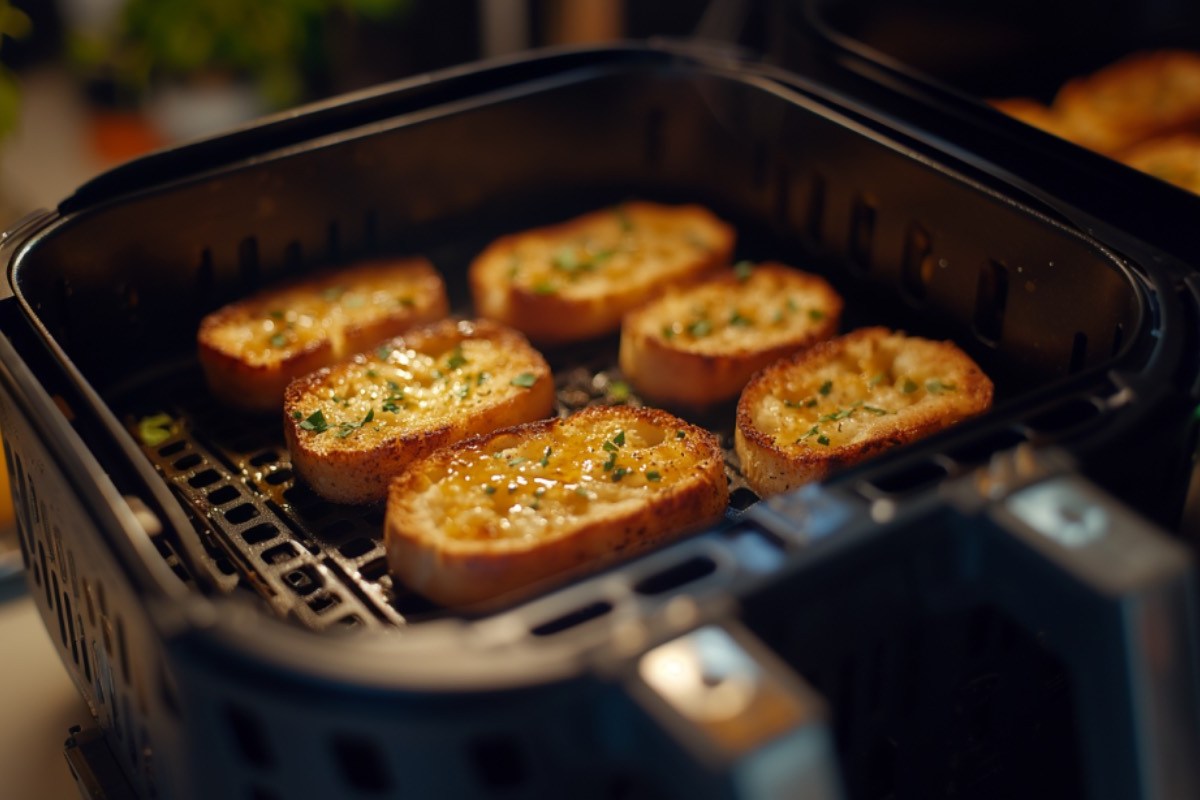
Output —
<point x="301" y="496"/>
<point x="304" y="580"/>
<point x="243" y="513"/>
<point x="260" y="533"/>
<point x="323" y="602"/>
<point x="222" y="495"/>
<point x="742" y="498"/>
<point x="202" y="479"/>
<point x="225" y="566"/>
<point x="278" y="477"/>
<point x="350" y="621"/>
<point x="264" y="458"/>
<point x="374" y="570"/>
<point x="991" y="299"/>
<point x="1064" y="417"/>
<point x="361" y="763"/>
<point x="249" y="735"/>
<point x="673" y="577"/>
<point x="357" y="547"/>
<point x="171" y="449"/>
<point x="862" y="231"/>
<point x="1079" y="347"/>
<point x="980" y="450"/>
<point x="574" y="618"/>
<point x="498" y="762"/>
<point x="916" y="272"/>
<point x="909" y="479"/>
<point x="188" y="461"/>
<point x="280" y="554"/>
<point x="338" y="528"/>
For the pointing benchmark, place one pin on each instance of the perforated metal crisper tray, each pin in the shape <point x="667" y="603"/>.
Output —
<point x="237" y="637"/>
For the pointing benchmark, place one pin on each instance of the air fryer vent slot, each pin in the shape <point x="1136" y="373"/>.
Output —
<point x="675" y="576"/>
<point x="574" y="618"/>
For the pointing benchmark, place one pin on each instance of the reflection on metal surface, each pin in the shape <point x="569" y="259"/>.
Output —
<point x="1056" y="510"/>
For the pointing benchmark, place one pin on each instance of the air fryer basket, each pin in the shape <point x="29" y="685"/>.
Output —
<point x="236" y="636"/>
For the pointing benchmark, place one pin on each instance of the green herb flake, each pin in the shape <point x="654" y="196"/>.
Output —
<point x="813" y="431"/>
<point x="619" y="439"/>
<point x="823" y="440"/>
<point x="384" y="351"/>
<point x="743" y="270"/>
<point x="279" y="340"/>
<point x="581" y="491"/>
<point x="372" y="374"/>
<point x="700" y="328"/>
<point x="481" y="377"/>
<point x="545" y="459"/>
<point x="654" y="475"/>
<point x="879" y="412"/>
<point x="876" y="379"/>
<point x="791" y="305"/>
<point x="517" y="461"/>
<point x="609" y="447"/>
<point x="524" y="380"/>
<point x="297" y="415"/>
<point x="489" y="489"/>
<point x="315" y="422"/>
<point x="619" y="392"/>
<point x="810" y="402"/>
<point x="826" y="388"/>
<point x="406" y="302"/>
<point x="909" y="386"/>
<point x="680" y="434"/>
<point x="668" y="332"/>
<point x="462" y="392"/>
<point x="934" y="386"/>
<point x="276" y="314"/>
<point x="155" y="429"/>
<point x="612" y="460"/>
<point x="566" y="260"/>
<point x="333" y="293"/>
<point x="457" y="359"/>
<point x="736" y="318"/>
<point x="544" y="287"/>
<point x="390" y="406"/>
<point x="618" y="473"/>
<point x="623" y="219"/>
<point x="347" y="428"/>
<point x="354" y="301"/>
<point x="777" y="317"/>
<point x="816" y="314"/>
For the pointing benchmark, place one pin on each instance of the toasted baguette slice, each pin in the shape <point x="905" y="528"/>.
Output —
<point x="575" y="280"/>
<point x="847" y="399"/>
<point x="699" y="344"/>
<point x="496" y="513"/>
<point x="1175" y="159"/>
<point x="1141" y="96"/>
<point x="354" y="426"/>
<point x="251" y="349"/>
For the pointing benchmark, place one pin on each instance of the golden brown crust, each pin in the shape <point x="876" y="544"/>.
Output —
<point x="1143" y="95"/>
<point x="250" y="350"/>
<point x="575" y="280"/>
<point x="412" y="411"/>
<point x="479" y="519"/>
<point x="847" y="399"/>
<point x="700" y="344"/>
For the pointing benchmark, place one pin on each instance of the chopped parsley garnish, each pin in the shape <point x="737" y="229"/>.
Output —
<point x="372" y="373"/>
<point x="743" y="270"/>
<point x="699" y="328"/>
<point x="315" y="422"/>
<point x="840" y="414"/>
<point x="462" y="392"/>
<point x="155" y="429"/>
<point x="934" y="386"/>
<point x="813" y="431"/>
<point x="544" y="287"/>
<point x="457" y="359"/>
<point x="619" y="439"/>
<point x="609" y="447"/>
<point x="909" y="387"/>
<point x="517" y="460"/>
<point x="877" y="379"/>
<point x="384" y="351"/>
<point x="395" y="387"/>
<point x="481" y="377"/>
<point x="279" y="340"/>
<point x="276" y="314"/>
<point x="347" y="428"/>
<point x="545" y="459"/>
<point x="791" y="305"/>
<point x="581" y="491"/>
<point x="612" y="460"/>
<point x="777" y="317"/>
<point x="823" y="440"/>
<point x="879" y="412"/>
<point x="653" y="475"/>
<point x="680" y="434"/>
<point x="390" y="406"/>
<point x="826" y="388"/>
<point x="618" y="473"/>
<point x="355" y="301"/>
<point x="406" y="302"/>
<point x="619" y="391"/>
<point x="737" y="319"/>
<point x="668" y="332"/>
<point x="816" y="314"/>
<point x="332" y="293"/>
<point x="489" y="489"/>
<point x="524" y="380"/>
<point x="297" y="415"/>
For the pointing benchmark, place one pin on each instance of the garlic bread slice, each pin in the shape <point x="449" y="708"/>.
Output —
<point x="575" y="280"/>
<point x="699" y="344"/>
<point x="499" y="512"/>
<point x="252" y="348"/>
<point x="847" y="399"/>
<point x="353" y="426"/>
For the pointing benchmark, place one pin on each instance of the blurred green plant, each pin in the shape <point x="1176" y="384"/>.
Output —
<point x="276" y="44"/>
<point x="14" y="24"/>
